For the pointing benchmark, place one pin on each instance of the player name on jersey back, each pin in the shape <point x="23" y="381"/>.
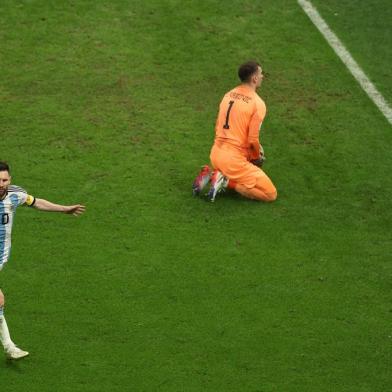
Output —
<point x="239" y="96"/>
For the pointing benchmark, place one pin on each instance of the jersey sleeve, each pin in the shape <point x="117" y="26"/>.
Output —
<point x="25" y="199"/>
<point x="20" y="197"/>
<point x="254" y="129"/>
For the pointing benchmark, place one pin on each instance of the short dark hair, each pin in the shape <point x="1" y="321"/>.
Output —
<point x="246" y="70"/>
<point x="4" y="167"/>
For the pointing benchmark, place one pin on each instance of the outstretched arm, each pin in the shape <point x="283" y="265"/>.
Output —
<point x="44" y="205"/>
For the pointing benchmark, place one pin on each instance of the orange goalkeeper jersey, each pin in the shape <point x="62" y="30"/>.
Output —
<point x="241" y="113"/>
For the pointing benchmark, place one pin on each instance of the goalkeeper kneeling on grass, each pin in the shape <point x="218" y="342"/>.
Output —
<point x="237" y="155"/>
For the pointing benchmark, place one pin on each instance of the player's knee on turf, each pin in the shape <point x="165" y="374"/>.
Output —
<point x="269" y="194"/>
<point x="1" y="299"/>
<point x="266" y="186"/>
<point x="272" y="196"/>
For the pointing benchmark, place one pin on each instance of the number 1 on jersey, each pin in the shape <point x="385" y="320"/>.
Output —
<point x="226" y="126"/>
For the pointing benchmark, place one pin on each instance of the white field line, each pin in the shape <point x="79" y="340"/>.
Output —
<point x="347" y="59"/>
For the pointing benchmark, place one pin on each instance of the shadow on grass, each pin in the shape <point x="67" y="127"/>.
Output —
<point x="13" y="366"/>
<point x="230" y="195"/>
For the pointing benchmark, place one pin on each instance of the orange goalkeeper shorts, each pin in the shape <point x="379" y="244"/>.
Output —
<point x="235" y="166"/>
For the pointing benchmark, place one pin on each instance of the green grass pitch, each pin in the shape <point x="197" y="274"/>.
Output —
<point x="113" y="104"/>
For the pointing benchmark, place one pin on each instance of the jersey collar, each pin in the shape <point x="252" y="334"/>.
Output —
<point x="5" y="195"/>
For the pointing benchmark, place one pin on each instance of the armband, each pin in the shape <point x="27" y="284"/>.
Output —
<point x="30" y="200"/>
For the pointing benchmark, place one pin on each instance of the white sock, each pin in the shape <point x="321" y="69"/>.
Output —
<point x="4" y="333"/>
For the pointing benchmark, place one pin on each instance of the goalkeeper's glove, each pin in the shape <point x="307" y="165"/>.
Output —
<point x="258" y="162"/>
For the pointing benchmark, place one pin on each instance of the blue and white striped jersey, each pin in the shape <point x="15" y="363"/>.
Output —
<point x="15" y="197"/>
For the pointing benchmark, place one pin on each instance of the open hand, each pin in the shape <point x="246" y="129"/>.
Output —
<point x="75" y="210"/>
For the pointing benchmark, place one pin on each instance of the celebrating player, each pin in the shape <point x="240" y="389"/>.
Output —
<point x="237" y="154"/>
<point x="12" y="196"/>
